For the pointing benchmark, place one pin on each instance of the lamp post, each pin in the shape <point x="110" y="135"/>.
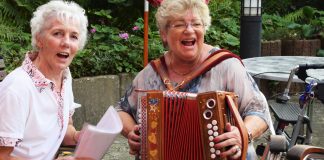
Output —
<point x="250" y="33"/>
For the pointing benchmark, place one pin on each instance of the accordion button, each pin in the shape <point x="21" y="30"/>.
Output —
<point x="213" y="156"/>
<point x="211" y="138"/>
<point x="215" y="128"/>
<point x="212" y="150"/>
<point x="211" y="103"/>
<point x="215" y="134"/>
<point x="210" y="132"/>
<point x="139" y="120"/>
<point x="139" y="115"/>
<point x="209" y="126"/>
<point x="211" y="144"/>
<point x="214" y="122"/>
<point x="208" y="114"/>
<point x="218" y="152"/>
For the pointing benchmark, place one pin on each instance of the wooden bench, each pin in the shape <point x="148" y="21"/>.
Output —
<point x="2" y="72"/>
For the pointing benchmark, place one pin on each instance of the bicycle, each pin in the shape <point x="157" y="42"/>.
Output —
<point x="286" y="113"/>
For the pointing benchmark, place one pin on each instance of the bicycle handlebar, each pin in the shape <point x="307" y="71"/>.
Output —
<point x="301" y="72"/>
<point x="311" y="66"/>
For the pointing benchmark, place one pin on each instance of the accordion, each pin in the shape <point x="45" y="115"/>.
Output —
<point x="181" y="126"/>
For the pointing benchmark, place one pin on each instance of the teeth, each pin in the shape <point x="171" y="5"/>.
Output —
<point x="64" y="53"/>
<point x="188" y="42"/>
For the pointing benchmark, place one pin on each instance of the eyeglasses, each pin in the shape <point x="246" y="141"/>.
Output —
<point x="181" y="26"/>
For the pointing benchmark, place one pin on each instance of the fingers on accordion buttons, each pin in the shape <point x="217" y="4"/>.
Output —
<point x="137" y="132"/>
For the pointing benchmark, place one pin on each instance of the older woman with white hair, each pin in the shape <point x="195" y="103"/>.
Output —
<point x="36" y="99"/>
<point x="182" y="25"/>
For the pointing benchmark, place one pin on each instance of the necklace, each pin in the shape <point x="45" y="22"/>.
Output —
<point x="179" y="73"/>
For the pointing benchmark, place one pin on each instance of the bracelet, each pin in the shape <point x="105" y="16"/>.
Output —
<point x="250" y="137"/>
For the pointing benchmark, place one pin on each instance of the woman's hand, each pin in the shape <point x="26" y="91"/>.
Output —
<point x="77" y="136"/>
<point x="134" y="141"/>
<point x="231" y="140"/>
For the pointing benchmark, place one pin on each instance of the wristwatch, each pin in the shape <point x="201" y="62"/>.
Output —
<point x="250" y="137"/>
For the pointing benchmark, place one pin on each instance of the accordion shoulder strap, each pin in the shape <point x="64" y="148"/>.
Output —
<point x="213" y="59"/>
<point x="159" y="66"/>
<point x="240" y="125"/>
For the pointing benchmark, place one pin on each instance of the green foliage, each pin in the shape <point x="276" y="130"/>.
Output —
<point x="17" y="12"/>
<point x="304" y="23"/>
<point x="320" y="53"/>
<point x="273" y="7"/>
<point x="284" y="7"/>
<point x="14" y="43"/>
<point x="225" y="29"/>
<point x="106" y="52"/>
<point x="273" y="27"/>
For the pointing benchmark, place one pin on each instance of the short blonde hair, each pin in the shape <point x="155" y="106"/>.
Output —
<point x="64" y="11"/>
<point x="174" y="8"/>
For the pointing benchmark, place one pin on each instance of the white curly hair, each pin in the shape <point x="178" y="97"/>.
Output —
<point x="175" y="8"/>
<point x="65" y="12"/>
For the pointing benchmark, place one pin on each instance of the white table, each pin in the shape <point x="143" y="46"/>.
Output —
<point x="278" y="68"/>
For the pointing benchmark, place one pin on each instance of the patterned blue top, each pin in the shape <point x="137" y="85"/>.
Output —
<point x="229" y="75"/>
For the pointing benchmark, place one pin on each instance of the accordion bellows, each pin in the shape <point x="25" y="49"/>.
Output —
<point x="181" y="126"/>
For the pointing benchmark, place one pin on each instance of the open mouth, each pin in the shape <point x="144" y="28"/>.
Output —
<point x="188" y="42"/>
<point x="63" y="55"/>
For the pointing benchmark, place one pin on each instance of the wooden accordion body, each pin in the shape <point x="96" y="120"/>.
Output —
<point x="182" y="126"/>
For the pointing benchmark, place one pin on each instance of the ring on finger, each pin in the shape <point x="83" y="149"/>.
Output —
<point x="237" y="149"/>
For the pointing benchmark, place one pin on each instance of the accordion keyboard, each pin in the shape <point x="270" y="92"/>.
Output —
<point x="179" y="125"/>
